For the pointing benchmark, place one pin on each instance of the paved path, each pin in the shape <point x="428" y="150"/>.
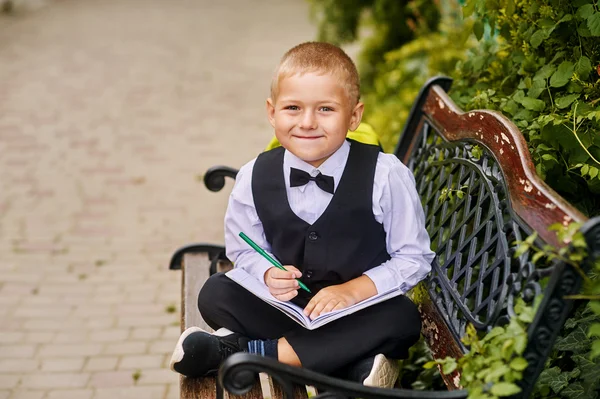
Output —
<point x="109" y="112"/>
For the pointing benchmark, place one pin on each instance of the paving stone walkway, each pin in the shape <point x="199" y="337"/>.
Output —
<point x="109" y="112"/>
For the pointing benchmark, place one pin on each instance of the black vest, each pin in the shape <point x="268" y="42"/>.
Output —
<point x="343" y="243"/>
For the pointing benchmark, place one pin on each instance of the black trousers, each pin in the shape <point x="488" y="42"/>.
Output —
<point x="389" y="327"/>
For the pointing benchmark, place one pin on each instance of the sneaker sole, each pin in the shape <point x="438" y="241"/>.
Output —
<point x="383" y="374"/>
<point x="178" y="351"/>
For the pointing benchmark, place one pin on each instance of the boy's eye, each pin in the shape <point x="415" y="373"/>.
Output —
<point x="292" y="107"/>
<point x="326" y="109"/>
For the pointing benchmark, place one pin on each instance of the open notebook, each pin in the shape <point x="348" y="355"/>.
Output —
<point x="293" y="311"/>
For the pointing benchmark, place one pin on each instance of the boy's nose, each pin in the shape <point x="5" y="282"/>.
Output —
<point x="308" y="121"/>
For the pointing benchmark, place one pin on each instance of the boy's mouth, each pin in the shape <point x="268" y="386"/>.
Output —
<point x="307" y="137"/>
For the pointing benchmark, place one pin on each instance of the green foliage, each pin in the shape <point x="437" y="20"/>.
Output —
<point x="412" y="373"/>
<point x="541" y="69"/>
<point x="392" y="24"/>
<point x="448" y="193"/>
<point x="494" y="363"/>
<point x="573" y="369"/>
<point x="571" y="372"/>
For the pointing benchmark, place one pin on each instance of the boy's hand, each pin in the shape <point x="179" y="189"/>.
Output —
<point x="329" y="298"/>
<point x="282" y="284"/>
<point x="340" y="296"/>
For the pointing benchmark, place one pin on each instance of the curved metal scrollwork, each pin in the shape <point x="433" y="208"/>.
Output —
<point x="238" y="374"/>
<point x="214" y="178"/>
<point x="473" y="232"/>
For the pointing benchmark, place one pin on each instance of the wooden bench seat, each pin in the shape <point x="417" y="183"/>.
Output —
<point x="475" y="277"/>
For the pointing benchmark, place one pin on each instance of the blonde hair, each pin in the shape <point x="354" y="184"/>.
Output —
<point x="322" y="58"/>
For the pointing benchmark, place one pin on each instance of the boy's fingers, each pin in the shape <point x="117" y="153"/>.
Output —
<point x="281" y="291"/>
<point x="333" y="304"/>
<point x="283" y="283"/>
<point x="283" y="274"/>
<point x="286" y="297"/>
<point x="319" y="308"/>
<point x="293" y="269"/>
<point x="339" y="306"/>
<point x="309" y="307"/>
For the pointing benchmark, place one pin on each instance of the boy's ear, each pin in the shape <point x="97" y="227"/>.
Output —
<point x="271" y="111"/>
<point x="356" y="117"/>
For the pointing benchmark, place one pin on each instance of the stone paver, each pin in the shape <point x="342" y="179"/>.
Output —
<point x="109" y="112"/>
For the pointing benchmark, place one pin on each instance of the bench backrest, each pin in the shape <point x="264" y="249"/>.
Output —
<point x="475" y="278"/>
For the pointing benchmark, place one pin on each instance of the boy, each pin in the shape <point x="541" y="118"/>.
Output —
<point x="341" y="216"/>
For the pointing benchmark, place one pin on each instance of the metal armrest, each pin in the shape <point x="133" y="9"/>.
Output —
<point x="237" y="375"/>
<point x="214" y="178"/>
<point x="215" y="252"/>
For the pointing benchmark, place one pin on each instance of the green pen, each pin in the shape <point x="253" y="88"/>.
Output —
<point x="265" y="255"/>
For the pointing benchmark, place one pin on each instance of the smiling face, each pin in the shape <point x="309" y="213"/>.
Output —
<point x="312" y="115"/>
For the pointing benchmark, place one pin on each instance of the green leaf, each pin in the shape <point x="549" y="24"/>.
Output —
<point x="594" y="307"/>
<point x="564" y="102"/>
<point x="536" y="257"/>
<point x="468" y="8"/>
<point x="430" y="364"/>
<point x="511" y="107"/>
<point x="595" y="352"/>
<point x="594" y="330"/>
<point x="533" y="104"/>
<point x="521" y="249"/>
<point x="537" y="88"/>
<point x="518" y="364"/>
<point x="585" y="11"/>
<point x="510" y="7"/>
<point x="448" y="367"/>
<point x="545" y="72"/>
<point x="574" y="391"/>
<point x="576" y="341"/>
<point x="549" y="157"/>
<point x="589" y="370"/>
<point x="549" y="375"/>
<point x="478" y="29"/>
<point x="505" y="389"/>
<point x="562" y="75"/>
<point x="565" y="18"/>
<point x="583" y="29"/>
<point x="593" y="23"/>
<point x="583" y="67"/>
<point x="585" y="169"/>
<point x="496" y="372"/>
<point x="538" y="37"/>
<point x="561" y="380"/>
<point x="593" y="173"/>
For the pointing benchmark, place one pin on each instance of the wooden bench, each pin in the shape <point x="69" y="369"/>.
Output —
<point x="475" y="277"/>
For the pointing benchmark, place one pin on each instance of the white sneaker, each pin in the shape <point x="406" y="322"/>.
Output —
<point x="377" y="371"/>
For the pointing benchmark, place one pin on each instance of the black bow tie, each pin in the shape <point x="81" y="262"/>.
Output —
<point x="299" y="178"/>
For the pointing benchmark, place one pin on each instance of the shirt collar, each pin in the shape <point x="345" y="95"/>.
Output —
<point x="333" y="166"/>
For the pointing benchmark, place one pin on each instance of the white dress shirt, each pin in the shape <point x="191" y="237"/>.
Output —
<point x="396" y="205"/>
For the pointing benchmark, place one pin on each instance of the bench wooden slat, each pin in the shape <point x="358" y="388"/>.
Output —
<point x="277" y="392"/>
<point x="197" y="388"/>
<point x="255" y="393"/>
<point x="194" y="273"/>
